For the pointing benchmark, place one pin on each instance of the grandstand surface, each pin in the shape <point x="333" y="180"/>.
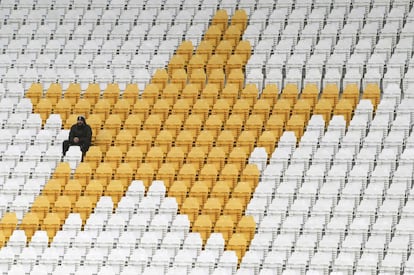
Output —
<point x="230" y="137"/>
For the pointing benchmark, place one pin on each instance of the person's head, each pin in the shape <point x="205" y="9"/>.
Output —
<point x="81" y="120"/>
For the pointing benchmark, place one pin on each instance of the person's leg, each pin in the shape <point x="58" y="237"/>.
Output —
<point x="65" y="147"/>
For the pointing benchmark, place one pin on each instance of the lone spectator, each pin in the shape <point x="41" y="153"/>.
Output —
<point x="80" y="135"/>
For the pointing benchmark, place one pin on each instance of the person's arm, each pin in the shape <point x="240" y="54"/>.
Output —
<point x="71" y="134"/>
<point x="87" y="135"/>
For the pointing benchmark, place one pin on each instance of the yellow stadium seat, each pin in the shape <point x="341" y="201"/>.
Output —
<point x="234" y="208"/>
<point x="181" y="108"/>
<point x="185" y="140"/>
<point x="351" y="92"/>
<point x="30" y="224"/>
<point x="196" y="156"/>
<point x="283" y="107"/>
<point x="63" y="108"/>
<point x="122" y="108"/>
<point x="193" y="124"/>
<point x="230" y="93"/>
<point x="115" y="190"/>
<point x="113" y="124"/>
<point x="234" y="62"/>
<point x="192" y="90"/>
<point x="239" y="19"/>
<point x="8" y="223"/>
<point x="34" y="93"/>
<point x="153" y="124"/>
<point x="161" y="77"/>
<point x="199" y="190"/>
<point x="242" y="108"/>
<point x="177" y="62"/>
<point x="191" y="208"/>
<point x="254" y="124"/>
<point x="197" y="62"/>
<point x="324" y="107"/>
<point x="203" y="225"/>
<point x="209" y="174"/>
<point x="51" y="224"/>
<point x="210" y="93"/>
<point x="124" y="173"/>
<point x="94" y="190"/>
<point x="93" y="157"/>
<point x="104" y="173"/>
<point x="226" y="140"/>
<point x="201" y="107"/>
<point x="171" y="92"/>
<point x="234" y="124"/>
<point x="166" y="173"/>
<point x="113" y="157"/>
<point x="344" y="108"/>
<point x="270" y="93"/>
<point x="244" y="50"/>
<point x="220" y="19"/>
<point x="95" y="122"/>
<point x="250" y="174"/>
<point x="103" y="140"/>
<point x="141" y="109"/>
<point x="176" y="157"/>
<point x="217" y="78"/>
<point x="145" y="172"/>
<point x="150" y="93"/>
<point x="243" y="191"/>
<point x="372" y="92"/>
<point x="302" y="108"/>
<point x="84" y="207"/>
<point x="54" y="93"/>
<point x="238" y="156"/>
<point x="225" y="49"/>
<point x="102" y="108"/>
<point x="310" y="93"/>
<point x="290" y="93"/>
<point x="62" y="207"/>
<point x="83" y="173"/>
<point x="247" y="227"/>
<point x="111" y="93"/>
<point x="213" y="34"/>
<point x="178" y="190"/>
<point x="233" y="34"/>
<point x="250" y="92"/>
<point x="178" y="80"/>
<point x="187" y="173"/>
<point x="131" y="93"/>
<point x="82" y="107"/>
<point x="134" y="157"/>
<point x="52" y="189"/>
<point x="44" y="107"/>
<point x="262" y="108"/>
<point x="217" y="156"/>
<point x="164" y="141"/>
<point x="215" y="62"/>
<point x="296" y="123"/>
<point x="124" y="141"/>
<point x="239" y="244"/>
<point x="276" y="124"/>
<point x="186" y="49"/>
<point x="40" y="206"/>
<point x="214" y="125"/>
<point x="173" y="125"/>
<point x="62" y="172"/>
<point x="221" y="191"/>
<point x="155" y="156"/>
<point x="221" y="108"/>
<point x="246" y="140"/>
<point x="205" y="141"/>
<point x="92" y="93"/>
<point x="133" y="124"/>
<point x="331" y="92"/>
<point x="230" y="173"/>
<point x="225" y="226"/>
<point x="267" y="140"/>
<point x="72" y="191"/>
<point x="205" y="50"/>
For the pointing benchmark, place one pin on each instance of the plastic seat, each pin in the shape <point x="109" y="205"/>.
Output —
<point x="123" y="141"/>
<point x="51" y="224"/>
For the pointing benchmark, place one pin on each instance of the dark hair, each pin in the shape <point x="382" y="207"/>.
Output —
<point x="81" y="118"/>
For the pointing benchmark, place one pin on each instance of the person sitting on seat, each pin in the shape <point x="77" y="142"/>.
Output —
<point x="80" y="134"/>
